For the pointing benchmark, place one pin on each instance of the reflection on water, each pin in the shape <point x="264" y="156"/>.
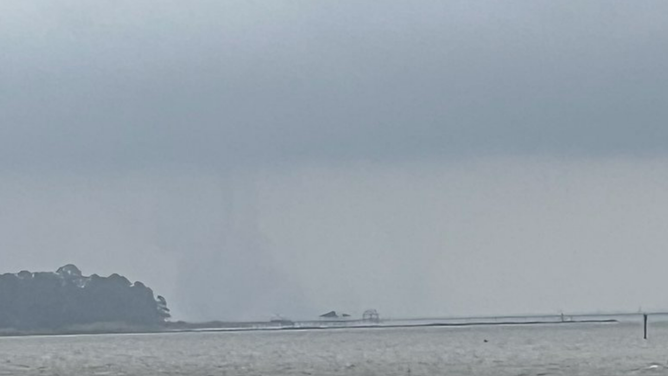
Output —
<point x="609" y="349"/>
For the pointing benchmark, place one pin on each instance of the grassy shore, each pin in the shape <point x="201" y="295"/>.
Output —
<point x="96" y="328"/>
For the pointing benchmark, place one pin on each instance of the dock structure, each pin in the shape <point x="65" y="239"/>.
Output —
<point x="371" y="315"/>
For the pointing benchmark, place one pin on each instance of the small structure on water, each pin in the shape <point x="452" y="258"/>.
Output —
<point x="333" y="315"/>
<point x="371" y="315"/>
<point x="282" y="321"/>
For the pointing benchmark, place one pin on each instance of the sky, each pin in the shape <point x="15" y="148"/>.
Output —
<point x="248" y="159"/>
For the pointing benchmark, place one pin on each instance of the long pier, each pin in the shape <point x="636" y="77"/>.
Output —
<point x="460" y="321"/>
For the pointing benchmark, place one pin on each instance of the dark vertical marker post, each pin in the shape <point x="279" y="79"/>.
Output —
<point x="645" y="324"/>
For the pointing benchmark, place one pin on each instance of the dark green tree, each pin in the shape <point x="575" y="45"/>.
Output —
<point x="47" y="300"/>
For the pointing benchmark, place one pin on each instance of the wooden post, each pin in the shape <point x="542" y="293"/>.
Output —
<point x="645" y="325"/>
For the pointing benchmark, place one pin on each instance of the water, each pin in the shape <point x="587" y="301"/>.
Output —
<point x="603" y="349"/>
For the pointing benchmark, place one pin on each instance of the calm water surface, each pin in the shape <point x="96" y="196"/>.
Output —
<point x="608" y="349"/>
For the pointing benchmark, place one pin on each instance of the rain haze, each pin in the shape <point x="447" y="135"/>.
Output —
<point x="429" y="158"/>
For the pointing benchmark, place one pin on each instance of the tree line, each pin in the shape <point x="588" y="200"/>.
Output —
<point x="47" y="300"/>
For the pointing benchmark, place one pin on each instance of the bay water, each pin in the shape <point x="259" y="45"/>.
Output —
<point x="574" y="349"/>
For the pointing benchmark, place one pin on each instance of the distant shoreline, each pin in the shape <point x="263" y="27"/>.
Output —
<point x="393" y="326"/>
<point x="264" y="327"/>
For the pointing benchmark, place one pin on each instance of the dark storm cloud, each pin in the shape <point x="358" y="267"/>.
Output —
<point x="217" y="84"/>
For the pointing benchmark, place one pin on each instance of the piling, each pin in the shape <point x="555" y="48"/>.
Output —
<point x="645" y="325"/>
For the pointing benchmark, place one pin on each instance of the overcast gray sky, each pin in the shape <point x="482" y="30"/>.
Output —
<point x="424" y="158"/>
